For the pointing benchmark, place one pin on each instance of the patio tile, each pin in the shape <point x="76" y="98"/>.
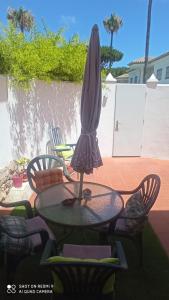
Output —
<point x="125" y="173"/>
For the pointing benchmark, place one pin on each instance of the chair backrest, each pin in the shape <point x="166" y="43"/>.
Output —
<point x="44" y="162"/>
<point x="83" y="278"/>
<point x="55" y="135"/>
<point x="149" y="189"/>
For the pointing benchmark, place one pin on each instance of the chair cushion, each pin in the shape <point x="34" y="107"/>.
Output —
<point x="109" y="285"/>
<point x="37" y="223"/>
<point x="134" y="208"/>
<point x="14" y="225"/>
<point x="46" y="178"/>
<point x="87" y="251"/>
<point x="64" y="154"/>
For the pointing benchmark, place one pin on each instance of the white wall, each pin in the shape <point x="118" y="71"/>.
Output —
<point x="5" y="138"/>
<point x="106" y="124"/>
<point x="156" y="123"/>
<point x="26" y="116"/>
<point x="129" y="114"/>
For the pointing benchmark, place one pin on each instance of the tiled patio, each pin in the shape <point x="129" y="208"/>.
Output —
<point x="126" y="174"/>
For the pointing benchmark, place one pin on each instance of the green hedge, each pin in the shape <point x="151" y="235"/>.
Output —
<point x="41" y="56"/>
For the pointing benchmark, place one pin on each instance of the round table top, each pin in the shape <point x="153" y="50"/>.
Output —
<point x="104" y="205"/>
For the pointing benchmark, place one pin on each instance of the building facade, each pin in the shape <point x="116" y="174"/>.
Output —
<point x="123" y="78"/>
<point x="158" y="65"/>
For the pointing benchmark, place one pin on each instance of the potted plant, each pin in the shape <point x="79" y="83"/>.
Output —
<point x="17" y="180"/>
<point x="22" y="165"/>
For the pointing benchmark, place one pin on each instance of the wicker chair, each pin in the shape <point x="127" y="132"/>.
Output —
<point x="45" y="162"/>
<point x="149" y="190"/>
<point x="83" y="279"/>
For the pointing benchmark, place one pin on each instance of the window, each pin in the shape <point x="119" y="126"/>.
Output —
<point x="135" y="79"/>
<point x="159" y="74"/>
<point x="131" y="80"/>
<point x="167" y="72"/>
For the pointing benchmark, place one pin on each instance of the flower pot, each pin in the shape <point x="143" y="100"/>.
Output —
<point x="24" y="176"/>
<point x="17" y="181"/>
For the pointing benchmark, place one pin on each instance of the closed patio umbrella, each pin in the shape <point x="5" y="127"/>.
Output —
<point x="87" y="155"/>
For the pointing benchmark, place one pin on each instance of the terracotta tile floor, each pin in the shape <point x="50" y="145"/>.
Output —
<point x="126" y="173"/>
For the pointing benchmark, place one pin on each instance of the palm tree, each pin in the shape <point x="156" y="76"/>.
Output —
<point x="112" y="25"/>
<point x="21" y="19"/>
<point x="147" y="39"/>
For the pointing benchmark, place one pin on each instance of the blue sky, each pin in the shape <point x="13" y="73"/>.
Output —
<point x="79" y="16"/>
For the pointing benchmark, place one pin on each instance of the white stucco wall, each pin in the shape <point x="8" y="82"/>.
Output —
<point x="25" y="118"/>
<point x="156" y="123"/>
<point x="5" y="139"/>
<point x="106" y="124"/>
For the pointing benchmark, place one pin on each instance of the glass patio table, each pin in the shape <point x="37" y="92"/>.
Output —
<point x="102" y="206"/>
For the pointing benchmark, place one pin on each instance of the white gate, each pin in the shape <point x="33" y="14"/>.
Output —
<point x="128" y="120"/>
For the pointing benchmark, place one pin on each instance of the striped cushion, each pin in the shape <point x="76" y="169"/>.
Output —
<point x="87" y="251"/>
<point x="46" y="178"/>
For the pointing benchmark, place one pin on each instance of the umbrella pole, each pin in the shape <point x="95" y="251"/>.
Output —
<point x="81" y="185"/>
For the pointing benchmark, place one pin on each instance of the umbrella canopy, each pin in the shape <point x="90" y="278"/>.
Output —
<point x="87" y="154"/>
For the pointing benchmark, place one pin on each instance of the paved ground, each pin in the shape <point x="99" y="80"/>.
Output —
<point x="126" y="174"/>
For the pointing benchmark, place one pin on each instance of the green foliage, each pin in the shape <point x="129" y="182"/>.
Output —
<point x="71" y="61"/>
<point x="119" y="71"/>
<point x="43" y="56"/>
<point x="23" y="161"/>
<point x="108" y="54"/>
<point x="114" y="71"/>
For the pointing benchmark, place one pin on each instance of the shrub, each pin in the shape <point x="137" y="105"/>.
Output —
<point x="43" y="56"/>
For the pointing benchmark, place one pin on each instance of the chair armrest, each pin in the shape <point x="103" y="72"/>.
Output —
<point x="69" y="178"/>
<point x="67" y="175"/>
<point x="43" y="234"/>
<point x="121" y="192"/>
<point x="134" y="218"/>
<point x="71" y="146"/>
<point x="24" y="203"/>
<point x="49" y="250"/>
<point x="121" y="255"/>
